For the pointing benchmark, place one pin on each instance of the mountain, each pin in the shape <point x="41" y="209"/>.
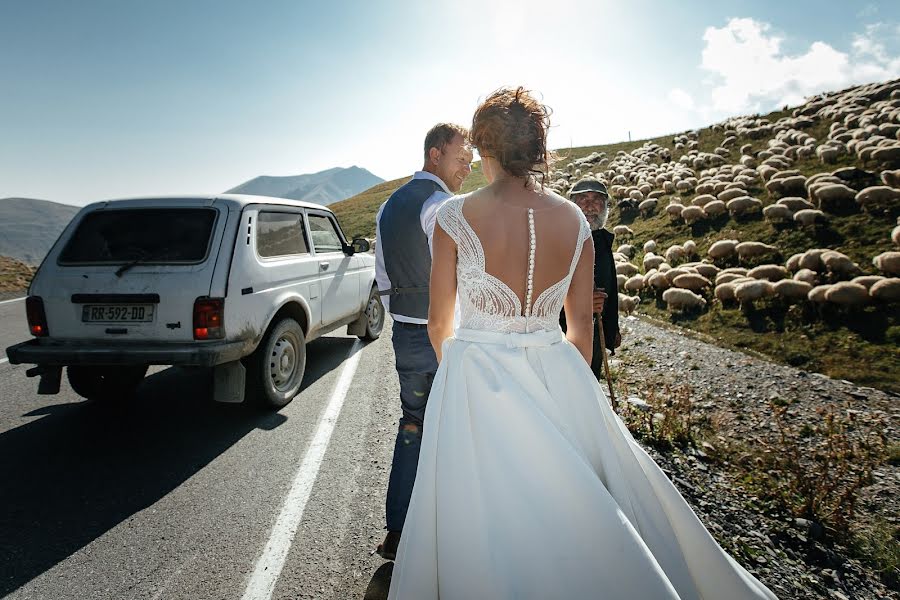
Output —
<point x="324" y="187"/>
<point x="28" y="227"/>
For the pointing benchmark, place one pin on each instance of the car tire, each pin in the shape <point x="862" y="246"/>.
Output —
<point x="275" y="369"/>
<point x="105" y="384"/>
<point x="374" y="315"/>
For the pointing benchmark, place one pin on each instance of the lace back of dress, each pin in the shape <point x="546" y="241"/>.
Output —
<point x="487" y="302"/>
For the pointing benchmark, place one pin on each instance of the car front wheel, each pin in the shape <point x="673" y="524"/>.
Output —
<point x="374" y="316"/>
<point x="277" y="366"/>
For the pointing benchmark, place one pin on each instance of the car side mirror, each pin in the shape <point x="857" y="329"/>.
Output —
<point x="360" y="245"/>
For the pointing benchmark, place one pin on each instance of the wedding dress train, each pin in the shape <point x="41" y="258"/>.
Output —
<point x="529" y="485"/>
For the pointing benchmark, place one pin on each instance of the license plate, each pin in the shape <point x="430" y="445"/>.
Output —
<point x="117" y="313"/>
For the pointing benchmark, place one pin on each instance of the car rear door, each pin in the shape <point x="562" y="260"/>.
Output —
<point x="131" y="270"/>
<point x="339" y="273"/>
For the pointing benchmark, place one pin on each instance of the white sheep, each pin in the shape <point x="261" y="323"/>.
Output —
<point x="748" y="291"/>
<point x="868" y="280"/>
<point x="647" y="206"/>
<point x="627" y="304"/>
<point x="728" y="277"/>
<point x="808" y="216"/>
<point x="634" y="283"/>
<point x="835" y="196"/>
<point x="690" y="248"/>
<point x="620" y="281"/>
<point x="703" y="199"/>
<point x="674" y="210"/>
<point x="888" y="262"/>
<point x="623" y="231"/>
<point x="627" y="269"/>
<point x="895" y="235"/>
<point x="692" y="281"/>
<point x="724" y="196"/>
<point x="751" y="249"/>
<point x="658" y="281"/>
<point x="692" y="214"/>
<point x="722" y="249"/>
<point x="807" y="275"/>
<point x="790" y="289"/>
<point x="743" y="205"/>
<point x="795" y="203"/>
<point x="846" y="293"/>
<point x="652" y="261"/>
<point x="777" y="212"/>
<point x="626" y="249"/>
<point x="707" y="270"/>
<point x="886" y="290"/>
<point x="715" y="208"/>
<point x="838" y="263"/>
<point x="680" y="298"/>
<point x="879" y="195"/>
<point x="812" y="259"/>
<point x="725" y="291"/>
<point x="817" y="294"/>
<point x="674" y="253"/>
<point x="793" y="263"/>
<point x="769" y="272"/>
<point x="650" y="246"/>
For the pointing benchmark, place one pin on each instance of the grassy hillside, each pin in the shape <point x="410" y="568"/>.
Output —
<point x="862" y="345"/>
<point x="14" y="275"/>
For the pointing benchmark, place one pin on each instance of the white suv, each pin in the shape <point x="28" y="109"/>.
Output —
<point x="238" y="283"/>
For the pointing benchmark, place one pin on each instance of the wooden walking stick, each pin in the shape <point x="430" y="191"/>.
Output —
<point x="612" y="394"/>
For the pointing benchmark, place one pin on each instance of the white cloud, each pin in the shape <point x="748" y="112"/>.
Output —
<point x="681" y="99"/>
<point x="750" y="72"/>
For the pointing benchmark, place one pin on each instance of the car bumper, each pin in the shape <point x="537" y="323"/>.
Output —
<point x="48" y="353"/>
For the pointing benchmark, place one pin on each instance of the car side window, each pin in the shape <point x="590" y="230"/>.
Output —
<point x="280" y="234"/>
<point x="325" y="237"/>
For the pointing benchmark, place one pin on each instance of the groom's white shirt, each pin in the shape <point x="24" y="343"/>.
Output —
<point x="427" y="218"/>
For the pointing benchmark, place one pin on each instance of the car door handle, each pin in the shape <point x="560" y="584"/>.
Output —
<point x="324" y="266"/>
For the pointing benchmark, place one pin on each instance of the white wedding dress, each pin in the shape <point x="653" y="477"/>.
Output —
<point x="529" y="486"/>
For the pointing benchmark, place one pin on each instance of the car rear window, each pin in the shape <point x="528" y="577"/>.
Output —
<point x="280" y="234"/>
<point x="148" y="235"/>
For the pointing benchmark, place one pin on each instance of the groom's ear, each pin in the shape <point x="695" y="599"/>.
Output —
<point x="434" y="155"/>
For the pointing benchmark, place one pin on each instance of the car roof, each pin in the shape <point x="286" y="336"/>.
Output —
<point x="233" y="200"/>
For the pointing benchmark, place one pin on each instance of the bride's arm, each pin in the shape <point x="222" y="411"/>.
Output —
<point x="579" y="303"/>
<point x="443" y="289"/>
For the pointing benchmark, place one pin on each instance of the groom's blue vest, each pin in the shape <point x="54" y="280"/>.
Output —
<point x="404" y="245"/>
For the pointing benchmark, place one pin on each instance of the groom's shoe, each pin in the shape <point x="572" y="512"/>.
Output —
<point x="388" y="548"/>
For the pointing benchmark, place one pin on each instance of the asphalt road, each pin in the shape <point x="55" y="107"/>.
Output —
<point x="13" y="325"/>
<point x="172" y="495"/>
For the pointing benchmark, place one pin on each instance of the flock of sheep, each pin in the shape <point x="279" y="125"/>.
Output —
<point x="865" y="125"/>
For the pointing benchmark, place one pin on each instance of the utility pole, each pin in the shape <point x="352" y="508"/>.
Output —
<point x="629" y="136"/>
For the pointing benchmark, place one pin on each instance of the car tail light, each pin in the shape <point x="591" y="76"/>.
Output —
<point x="37" y="318"/>
<point x="209" y="313"/>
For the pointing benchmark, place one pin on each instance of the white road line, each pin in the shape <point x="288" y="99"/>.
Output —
<point x="13" y="300"/>
<point x="268" y="568"/>
<point x="3" y="360"/>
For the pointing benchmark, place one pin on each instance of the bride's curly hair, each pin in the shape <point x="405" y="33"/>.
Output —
<point x="511" y="126"/>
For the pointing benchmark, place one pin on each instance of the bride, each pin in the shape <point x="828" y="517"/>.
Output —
<point x="528" y="484"/>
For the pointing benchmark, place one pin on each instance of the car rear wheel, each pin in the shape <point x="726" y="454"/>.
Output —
<point x="106" y="384"/>
<point x="374" y="316"/>
<point x="277" y="366"/>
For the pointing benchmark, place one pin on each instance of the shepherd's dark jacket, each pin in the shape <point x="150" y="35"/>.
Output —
<point x="604" y="277"/>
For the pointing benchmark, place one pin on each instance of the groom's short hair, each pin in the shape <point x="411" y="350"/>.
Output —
<point x="442" y="134"/>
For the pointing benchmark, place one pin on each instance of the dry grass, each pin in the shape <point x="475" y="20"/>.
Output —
<point x="15" y="276"/>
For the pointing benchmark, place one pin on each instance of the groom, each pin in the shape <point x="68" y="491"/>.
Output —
<point x="404" y="226"/>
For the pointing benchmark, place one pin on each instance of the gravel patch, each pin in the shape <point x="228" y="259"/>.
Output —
<point x="789" y="555"/>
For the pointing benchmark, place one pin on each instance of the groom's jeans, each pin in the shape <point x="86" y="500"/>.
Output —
<point x="416" y="366"/>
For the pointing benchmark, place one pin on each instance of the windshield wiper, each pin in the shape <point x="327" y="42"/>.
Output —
<point x="143" y="257"/>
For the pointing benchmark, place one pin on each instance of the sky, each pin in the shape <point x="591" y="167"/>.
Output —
<point x="104" y="99"/>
